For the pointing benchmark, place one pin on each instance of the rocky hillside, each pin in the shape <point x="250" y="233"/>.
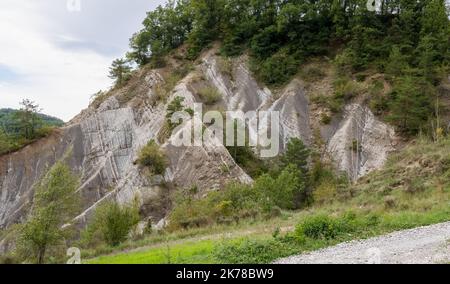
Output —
<point x="102" y="143"/>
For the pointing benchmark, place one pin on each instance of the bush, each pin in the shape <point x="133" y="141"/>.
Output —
<point x="209" y="95"/>
<point x="345" y="61"/>
<point x="248" y="161"/>
<point x="113" y="222"/>
<point x="318" y="227"/>
<point x="234" y="202"/>
<point x="283" y="191"/>
<point x="247" y="251"/>
<point x="325" y="119"/>
<point x="153" y="158"/>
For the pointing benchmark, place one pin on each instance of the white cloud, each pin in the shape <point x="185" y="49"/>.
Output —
<point x="59" y="80"/>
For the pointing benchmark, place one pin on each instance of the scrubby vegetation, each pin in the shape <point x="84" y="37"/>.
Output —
<point x="152" y="158"/>
<point x="405" y="44"/>
<point x="112" y="224"/>
<point x="412" y="190"/>
<point x="408" y="41"/>
<point x="209" y="95"/>
<point x="285" y="189"/>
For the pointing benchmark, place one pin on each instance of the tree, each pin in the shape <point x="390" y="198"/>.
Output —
<point x="114" y="222"/>
<point x="28" y="119"/>
<point x="296" y="154"/>
<point x="165" y="28"/>
<point x="5" y="143"/>
<point x="55" y="204"/>
<point x="119" y="71"/>
<point x="207" y="16"/>
<point x="397" y="64"/>
<point x="285" y="191"/>
<point x="411" y="104"/>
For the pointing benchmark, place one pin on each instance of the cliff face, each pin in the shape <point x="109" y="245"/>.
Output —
<point x="101" y="144"/>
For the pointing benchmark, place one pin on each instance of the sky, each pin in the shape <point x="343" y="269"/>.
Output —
<point x="58" y="52"/>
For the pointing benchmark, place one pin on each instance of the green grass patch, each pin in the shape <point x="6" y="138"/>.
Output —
<point x="199" y="252"/>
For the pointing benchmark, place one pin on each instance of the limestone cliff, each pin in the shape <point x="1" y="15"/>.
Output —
<point x="104" y="140"/>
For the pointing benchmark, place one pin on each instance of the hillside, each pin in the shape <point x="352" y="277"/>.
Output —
<point x="400" y="196"/>
<point x="343" y="112"/>
<point x="7" y="119"/>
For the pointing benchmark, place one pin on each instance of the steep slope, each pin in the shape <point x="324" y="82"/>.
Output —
<point x="102" y="143"/>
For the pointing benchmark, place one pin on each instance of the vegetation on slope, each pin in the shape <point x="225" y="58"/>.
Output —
<point x="412" y="190"/>
<point x="19" y="128"/>
<point x="407" y="41"/>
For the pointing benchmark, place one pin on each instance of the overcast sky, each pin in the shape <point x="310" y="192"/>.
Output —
<point x="58" y="56"/>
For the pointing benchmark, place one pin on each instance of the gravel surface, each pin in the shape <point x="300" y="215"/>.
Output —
<point x="425" y="245"/>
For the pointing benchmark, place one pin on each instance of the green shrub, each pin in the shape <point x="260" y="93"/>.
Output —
<point x="234" y="202"/>
<point x="153" y="158"/>
<point x="318" y="227"/>
<point x="209" y="95"/>
<point x="248" y="161"/>
<point x="283" y="191"/>
<point x="247" y="251"/>
<point x="345" y="61"/>
<point x="113" y="223"/>
<point x="237" y="201"/>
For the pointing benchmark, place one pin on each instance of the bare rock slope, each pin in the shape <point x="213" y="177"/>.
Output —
<point x="103" y="141"/>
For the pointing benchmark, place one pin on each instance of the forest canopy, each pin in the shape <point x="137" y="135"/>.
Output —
<point x="299" y="29"/>
<point x="408" y="41"/>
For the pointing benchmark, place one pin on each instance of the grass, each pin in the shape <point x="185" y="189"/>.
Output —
<point x="199" y="252"/>
<point x="413" y="190"/>
<point x="209" y="95"/>
<point x="260" y="246"/>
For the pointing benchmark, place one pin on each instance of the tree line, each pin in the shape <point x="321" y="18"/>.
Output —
<point x="407" y="40"/>
<point x="21" y="127"/>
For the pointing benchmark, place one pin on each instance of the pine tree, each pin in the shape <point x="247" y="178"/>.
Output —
<point x="397" y="64"/>
<point x="296" y="154"/>
<point x="120" y="71"/>
<point x="28" y="120"/>
<point x="411" y="104"/>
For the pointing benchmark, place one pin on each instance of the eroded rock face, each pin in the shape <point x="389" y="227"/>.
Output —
<point x="293" y="107"/>
<point x="361" y="143"/>
<point x="240" y="91"/>
<point x="104" y="143"/>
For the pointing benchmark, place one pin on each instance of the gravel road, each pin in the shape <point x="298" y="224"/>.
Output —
<point x="425" y="245"/>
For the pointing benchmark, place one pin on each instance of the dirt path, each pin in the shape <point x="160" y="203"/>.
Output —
<point x="425" y="245"/>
